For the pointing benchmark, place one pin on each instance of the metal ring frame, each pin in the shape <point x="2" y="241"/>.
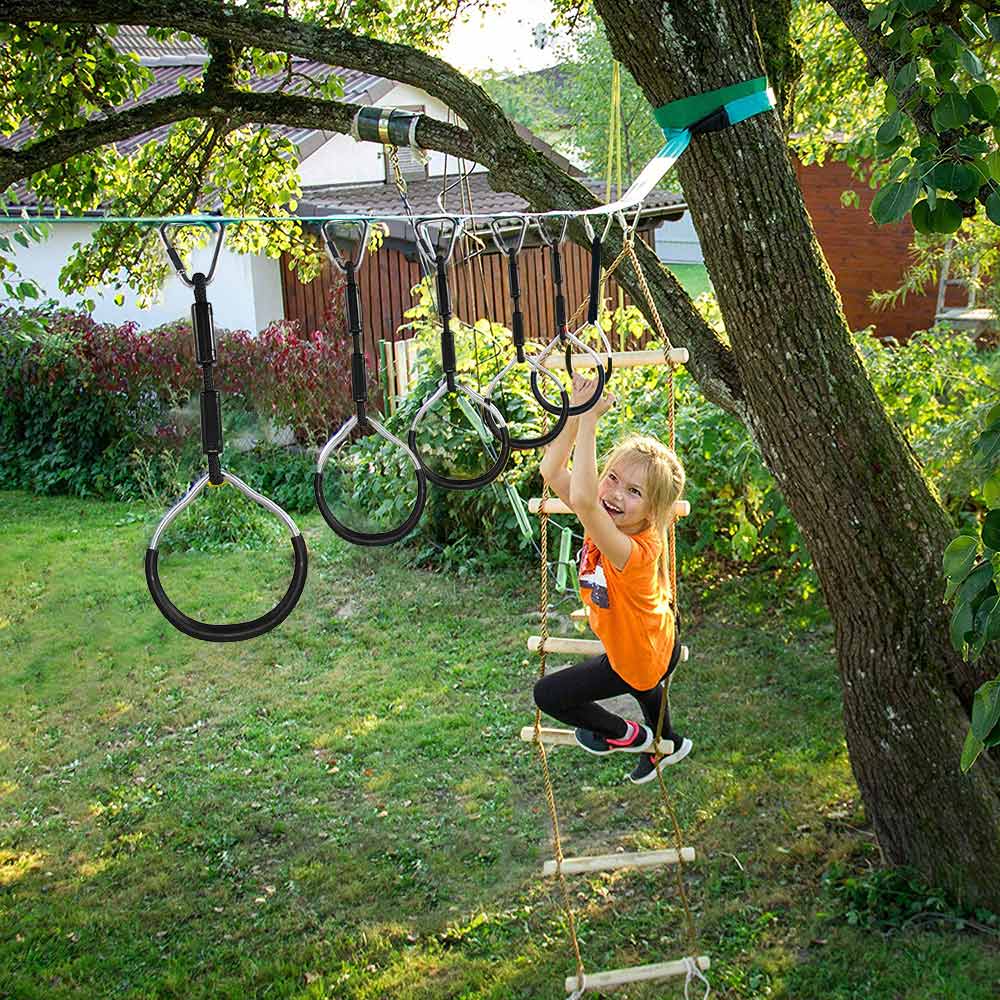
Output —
<point x="440" y="250"/>
<point x="361" y="418"/>
<point x="511" y="252"/>
<point x="237" y="631"/>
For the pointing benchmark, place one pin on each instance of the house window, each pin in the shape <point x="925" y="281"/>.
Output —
<point x="411" y="167"/>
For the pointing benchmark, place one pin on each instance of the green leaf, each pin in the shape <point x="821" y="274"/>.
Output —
<point x="972" y="63"/>
<point x="877" y="15"/>
<point x="920" y="217"/>
<point x="984" y="101"/>
<point x="975" y="583"/>
<point x="889" y="129"/>
<point x="972" y="145"/>
<point x="905" y="78"/>
<point x="991" y="530"/>
<point x="947" y="216"/>
<point x="961" y="624"/>
<point x="952" y="111"/>
<point x="952" y="176"/>
<point x="993" y="23"/>
<point x="894" y="200"/>
<point x="972" y="749"/>
<point x="986" y="709"/>
<point x="959" y="556"/>
<point x="993" y="164"/>
<point x="992" y="628"/>
<point x="984" y="615"/>
<point x="987" y="446"/>
<point x="898" y="166"/>
<point x="991" y="489"/>
<point x="993" y="208"/>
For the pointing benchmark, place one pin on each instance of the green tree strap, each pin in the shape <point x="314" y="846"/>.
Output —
<point x="688" y="110"/>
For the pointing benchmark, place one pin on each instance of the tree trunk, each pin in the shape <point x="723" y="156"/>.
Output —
<point x="872" y="525"/>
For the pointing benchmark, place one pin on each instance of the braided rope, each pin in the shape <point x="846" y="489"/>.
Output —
<point x="550" y="796"/>
<point x="672" y="555"/>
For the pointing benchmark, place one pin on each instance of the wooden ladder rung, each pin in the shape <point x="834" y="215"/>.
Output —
<point x="636" y="974"/>
<point x="552" y="736"/>
<point x="623" y="859"/>
<point x="563" y="644"/>
<point x="682" y="508"/>
<point x="621" y="359"/>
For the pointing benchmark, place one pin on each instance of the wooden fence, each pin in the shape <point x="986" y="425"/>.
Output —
<point x="480" y="289"/>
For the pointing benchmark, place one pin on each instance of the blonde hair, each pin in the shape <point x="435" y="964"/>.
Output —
<point x="664" y="486"/>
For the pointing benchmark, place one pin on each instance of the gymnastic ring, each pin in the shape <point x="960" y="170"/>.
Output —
<point x="497" y="426"/>
<point x="574" y="411"/>
<point x="524" y="444"/>
<point x="236" y="631"/>
<point x="370" y="537"/>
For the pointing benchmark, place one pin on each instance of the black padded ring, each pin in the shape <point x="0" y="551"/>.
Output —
<point x="525" y="444"/>
<point x="499" y="431"/>
<point x="372" y="537"/>
<point x="573" y="411"/>
<point x="237" y="631"/>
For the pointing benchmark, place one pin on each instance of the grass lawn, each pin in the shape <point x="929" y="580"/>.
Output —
<point x="693" y="278"/>
<point x="342" y="809"/>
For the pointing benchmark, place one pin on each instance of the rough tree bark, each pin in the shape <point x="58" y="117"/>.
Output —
<point x="872" y="525"/>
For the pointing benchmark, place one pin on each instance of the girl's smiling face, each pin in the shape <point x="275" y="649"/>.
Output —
<point x="622" y="495"/>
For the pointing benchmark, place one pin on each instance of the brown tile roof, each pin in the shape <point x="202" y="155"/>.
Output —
<point x="135" y="38"/>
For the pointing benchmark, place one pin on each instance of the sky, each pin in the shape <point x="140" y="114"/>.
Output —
<point x="502" y="40"/>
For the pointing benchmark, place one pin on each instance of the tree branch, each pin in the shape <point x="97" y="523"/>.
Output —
<point x="881" y="59"/>
<point x="247" y="108"/>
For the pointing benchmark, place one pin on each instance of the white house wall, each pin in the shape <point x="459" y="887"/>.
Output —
<point x="245" y="293"/>
<point x="341" y="160"/>
<point x="677" y="242"/>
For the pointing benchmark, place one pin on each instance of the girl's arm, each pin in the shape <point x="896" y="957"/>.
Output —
<point x="554" y="466"/>
<point x="612" y="543"/>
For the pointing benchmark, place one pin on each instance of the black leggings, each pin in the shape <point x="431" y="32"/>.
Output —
<point x="571" y="696"/>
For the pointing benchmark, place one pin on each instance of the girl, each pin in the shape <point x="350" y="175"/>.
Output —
<point x="624" y="583"/>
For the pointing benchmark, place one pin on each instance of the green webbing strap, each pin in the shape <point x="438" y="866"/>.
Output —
<point x="680" y="120"/>
<point x="520" y="512"/>
<point x="689" y="110"/>
<point x="563" y="564"/>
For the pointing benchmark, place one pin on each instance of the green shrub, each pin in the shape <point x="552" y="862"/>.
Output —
<point x="893" y="899"/>
<point x="67" y="425"/>
<point x="285" y="475"/>
<point x="938" y="388"/>
<point x="222" y="520"/>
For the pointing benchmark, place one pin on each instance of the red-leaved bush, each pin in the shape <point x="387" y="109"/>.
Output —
<point x="302" y="381"/>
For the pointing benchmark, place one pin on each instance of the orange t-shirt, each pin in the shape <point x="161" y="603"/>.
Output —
<point x="629" y="610"/>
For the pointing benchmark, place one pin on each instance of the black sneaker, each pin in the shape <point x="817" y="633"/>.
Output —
<point x="636" y="739"/>
<point x="645" y="770"/>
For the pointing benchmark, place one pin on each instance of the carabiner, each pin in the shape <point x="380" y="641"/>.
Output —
<point x="177" y="260"/>
<point x="361" y="419"/>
